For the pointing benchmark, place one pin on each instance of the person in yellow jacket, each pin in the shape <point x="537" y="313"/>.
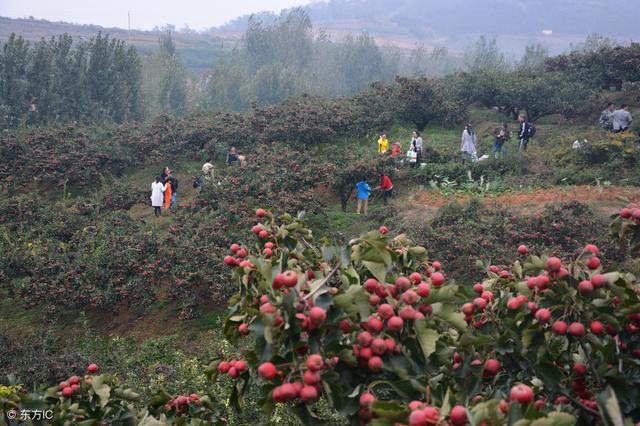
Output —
<point x="383" y="144"/>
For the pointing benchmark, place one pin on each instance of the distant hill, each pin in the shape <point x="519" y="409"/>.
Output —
<point x="457" y="23"/>
<point x="403" y="23"/>
<point x="198" y="51"/>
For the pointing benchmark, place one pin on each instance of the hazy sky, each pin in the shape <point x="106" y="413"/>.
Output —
<point x="145" y="14"/>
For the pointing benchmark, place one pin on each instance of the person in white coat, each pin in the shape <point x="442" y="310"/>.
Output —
<point x="468" y="144"/>
<point x="157" y="195"/>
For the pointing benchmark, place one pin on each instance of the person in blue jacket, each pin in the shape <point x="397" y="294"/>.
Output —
<point x="363" y="189"/>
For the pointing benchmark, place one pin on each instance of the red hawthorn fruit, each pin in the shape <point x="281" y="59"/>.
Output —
<point x="408" y="313"/>
<point x="267" y="308"/>
<point x="260" y="213"/>
<point x="374" y="300"/>
<point x="229" y="261"/>
<point x="522" y="249"/>
<point x="458" y="415"/>
<point x="585" y="287"/>
<point x="364" y="339"/>
<point x="370" y="285"/>
<point x="267" y="370"/>
<point x="242" y="253"/>
<point x="308" y="394"/>
<point x="75" y="388"/>
<point x="256" y="229"/>
<point x="345" y="326"/>
<point x="514" y="304"/>
<point x="310" y="377"/>
<point x="478" y="288"/>
<point x="391" y="344"/>
<point x="591" y="249"/>
<point x="314" y="362"/>
<point x="593" y="263"/>
<point x="504" y="275"/>
<point x="491" y="367"/>
<point x="375" y="364"/>
<point x="234" y="248"/>
<point x="395" y="323"/>
<point x="263" y="234"/>
<point x="289" y="391"/>
<point x="579" y="369"/>
<point x="403" y="283"/>
<point x="415" y="405"/>
<point x="504" y="406"/>
<point x="365" y="353"/>
<point x="598" y="280"/>
<point x="63" y="385"/>
<point x="267" y="252"/>
<point x="561" y="400"/>
<point x="374" y="324"/>
<point x="521" y="393"/>
<point x="553" y="264"/>
<point x="410" y="297"/>
<point x="414" y="278"/>
<point x="383" y="230"/>
<point x="269" y="245"/>
<point x="223" y="367"/>
<point x="576" y="329"/>
<point x="418" y="418"/>
<point x="74" y="380"/>
<point x="317" y="315"/>
<point x="436" y="265"/>
<point x="278" y="395"/>
<point x="479" y="304"/>
<point x="559" y="327"/>
<point x="487" y="295"/>
<point x="385" y="311"/>
<point x="543" y="281"/>
<point x="290" y="278"/>
<point x="233" y="372"/>
<point x="92" y="368"/>
<point x="243" y="329"/>
<point x="467" y="308"/>
<point x="494" y="269"/>
<point x="378" y="346"/>
<point x="437" y="279"/>
<point x="533" y="308"/>
<point x="67" y="392"/>
<point x="423" y="289"/>
<point x="241" y="366"/>
<point x="366" y="399"/>
<point x="596" y="327"/>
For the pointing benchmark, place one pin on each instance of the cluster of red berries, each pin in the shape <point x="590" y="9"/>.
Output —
<point x="71" y="386"/>
<point x="631" y="212"/>
<point x="232" y="368"/>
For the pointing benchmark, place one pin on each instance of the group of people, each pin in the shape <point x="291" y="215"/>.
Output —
<point x="413" y="155"/>
<point x="363" y="191"/>
<point x="501" y="138"/>
<point x="615" y="120"/>
<point x="164" y="191"/>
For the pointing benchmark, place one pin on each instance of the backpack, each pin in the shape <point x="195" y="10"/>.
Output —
<point x="531" y="131"/>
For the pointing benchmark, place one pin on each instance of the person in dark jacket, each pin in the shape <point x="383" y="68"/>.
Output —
<point x="606" y="117"/>
<point x="174" y="189"/>
<point x="523" y="133"/>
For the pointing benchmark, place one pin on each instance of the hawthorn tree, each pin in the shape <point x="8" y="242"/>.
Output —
<point x="379" y="332"/>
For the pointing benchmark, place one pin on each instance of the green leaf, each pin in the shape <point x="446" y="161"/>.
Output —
<point x="448" y="313"/>
<point x="390" y="410"/>
<point x="101" y="389"/>
<point x="556" y="419"/>
<point x="427" y="337"/>
<point x="378" y="269"/>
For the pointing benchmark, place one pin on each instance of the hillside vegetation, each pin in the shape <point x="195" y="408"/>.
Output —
<point x="497" y="291"/>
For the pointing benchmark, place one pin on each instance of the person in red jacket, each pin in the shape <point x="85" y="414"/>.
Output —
<point x="387" y="188"/>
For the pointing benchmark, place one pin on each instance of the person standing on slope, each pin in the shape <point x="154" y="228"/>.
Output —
<point x="363" y="189"/>
<point x="606" y="117"/>
<point x="167" y="192"/>
<point x="468" y="144"/>
<point x="387" y="188"/>
<point x="174" y="189"/>
<point x="621" y="119"/>
<point x="524" y="133"/>
<point x="383" y="144"/>
<point x="157" y="188"/>
<point x="416" y="146"/>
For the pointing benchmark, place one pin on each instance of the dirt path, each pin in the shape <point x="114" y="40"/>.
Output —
<point x="604" y="201"/>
